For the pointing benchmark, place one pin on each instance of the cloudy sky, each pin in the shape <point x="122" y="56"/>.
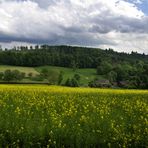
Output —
<point x="118" y="24"/>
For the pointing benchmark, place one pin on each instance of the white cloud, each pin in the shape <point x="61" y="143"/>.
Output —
<point x="127" y="42"/>
<point x="116" y="23"/>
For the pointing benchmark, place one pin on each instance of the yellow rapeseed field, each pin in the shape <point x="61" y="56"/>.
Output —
<point x="52" y="116"/>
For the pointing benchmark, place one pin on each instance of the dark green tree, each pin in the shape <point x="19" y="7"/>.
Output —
<point x="104" y="68"/>
<point x="74" y="65"/>
<point x="68" y="82"/>
<point x="1" y="75"/>
<point x="8" y="75"/>
<point x="60" y="78"/>
<point x="74" y="83"/>
<point x="77" y="77"/>
<point x="44" y="73"/>
<point x="16" y="75"/>
<point x="122" y="74"/>
<point x="112" y="76"/>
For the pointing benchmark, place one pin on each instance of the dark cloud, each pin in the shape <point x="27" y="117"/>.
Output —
<point x="106" y="23"/>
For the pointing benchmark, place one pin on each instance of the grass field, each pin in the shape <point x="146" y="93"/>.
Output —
<point x="26" y="70"/>
<point x="51" y="116"/>
<point x="86" y="75"/>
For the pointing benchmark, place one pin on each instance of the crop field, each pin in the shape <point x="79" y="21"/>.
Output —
<point x="52" y="116"/>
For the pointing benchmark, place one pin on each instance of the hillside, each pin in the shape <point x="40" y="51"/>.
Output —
<point x="95" y="67"/>
<point x="87" y="74"/>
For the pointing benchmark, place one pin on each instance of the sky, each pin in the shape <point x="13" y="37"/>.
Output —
<point x="118" y="24"/>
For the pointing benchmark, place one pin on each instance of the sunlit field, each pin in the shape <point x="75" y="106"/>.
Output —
<point x="51" y="116"/>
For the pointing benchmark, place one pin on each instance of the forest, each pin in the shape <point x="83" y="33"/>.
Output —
<point x="127" y="70"/>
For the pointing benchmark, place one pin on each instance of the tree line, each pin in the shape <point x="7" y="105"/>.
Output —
<point x="66" y="56"/>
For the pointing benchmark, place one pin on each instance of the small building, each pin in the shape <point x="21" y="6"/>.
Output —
<point x="103" y="83"/>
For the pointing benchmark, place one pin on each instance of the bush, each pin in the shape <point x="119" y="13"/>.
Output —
<point x="60" y="78"/>
<point x="1" y="75"/>
<point x="30" y="74"/>
<point x="8" y="76"/>
<point x="77" y="77"/>
<point x="12" y="75"/>
<point x="72" y="82"/>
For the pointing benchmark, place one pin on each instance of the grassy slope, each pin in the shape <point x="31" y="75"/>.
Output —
<point x="86" y="74"/>
<point x="27" y="70"/>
